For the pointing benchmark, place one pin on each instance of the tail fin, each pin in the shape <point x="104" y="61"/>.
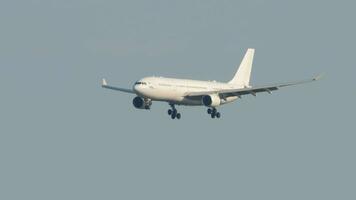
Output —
<point x="242" y="76"/>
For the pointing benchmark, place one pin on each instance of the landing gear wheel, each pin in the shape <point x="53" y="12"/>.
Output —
<point x="173" y="116"/>
<point x="174" y="112"/>
<point x="213" y="113"/>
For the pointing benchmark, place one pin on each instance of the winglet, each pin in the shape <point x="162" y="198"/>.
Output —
<point x="104" y="83"/>
<point x="318" y="77"/>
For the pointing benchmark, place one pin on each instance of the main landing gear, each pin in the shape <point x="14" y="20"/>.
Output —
<point x="173" y="112"/>
<point x="214" y="113"/>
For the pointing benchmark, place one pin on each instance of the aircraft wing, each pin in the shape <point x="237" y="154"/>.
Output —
<point x="105" y="85"/>
<point x="250" y="90"/>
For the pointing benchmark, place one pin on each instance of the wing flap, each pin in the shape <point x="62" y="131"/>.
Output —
<point x="250" y="90"/>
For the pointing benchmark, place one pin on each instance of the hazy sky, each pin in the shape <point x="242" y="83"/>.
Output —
<point x="64" y="137"/>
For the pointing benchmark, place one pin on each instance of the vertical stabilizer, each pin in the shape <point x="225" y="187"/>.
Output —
<point x="242" y="76"/>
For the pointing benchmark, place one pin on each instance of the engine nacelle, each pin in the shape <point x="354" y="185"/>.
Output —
<point x="141" y="103"/>
<point x="212" y="100"/>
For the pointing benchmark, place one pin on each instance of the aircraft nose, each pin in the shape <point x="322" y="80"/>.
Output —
<point x="137" y="88"/>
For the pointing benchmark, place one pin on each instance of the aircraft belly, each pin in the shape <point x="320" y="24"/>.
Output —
<point x="177" y="97"/>
<point x="192" y="102"/>
<point x="174" y="96"/>
<point x="165" y="95"/>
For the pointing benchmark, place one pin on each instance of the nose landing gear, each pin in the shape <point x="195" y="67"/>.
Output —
<point x="173" y="112"/>
<point x="213" y="113"/>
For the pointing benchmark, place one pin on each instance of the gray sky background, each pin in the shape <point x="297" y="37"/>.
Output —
<point x="64" y="137"/>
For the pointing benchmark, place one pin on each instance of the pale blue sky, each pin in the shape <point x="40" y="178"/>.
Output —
<point x="64" y="137"/>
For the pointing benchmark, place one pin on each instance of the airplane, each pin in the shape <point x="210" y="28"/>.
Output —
<point x="210" y="94"/>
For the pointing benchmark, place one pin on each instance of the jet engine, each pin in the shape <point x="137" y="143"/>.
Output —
<point x="141" y="103"/>
<point x="212" y="100"/>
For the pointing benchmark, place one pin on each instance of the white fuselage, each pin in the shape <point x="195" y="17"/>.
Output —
<point x="173" y="90"/>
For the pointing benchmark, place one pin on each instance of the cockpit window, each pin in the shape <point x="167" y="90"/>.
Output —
<point x="140" y="83"/>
